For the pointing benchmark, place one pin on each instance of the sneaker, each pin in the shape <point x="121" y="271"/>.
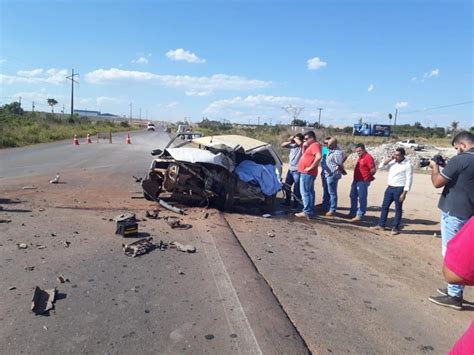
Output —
<point x="447" y="301"/>
<point x="330" y="214"/>
<point x="377" y="228"/>
<point x="300" y="214"/>
<point x="356" y="219"/>
<point x="443" y="291"/>
<point x="395" y="231"/>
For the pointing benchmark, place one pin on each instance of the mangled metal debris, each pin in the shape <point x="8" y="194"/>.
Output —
<point x="139" y="247"/>
<point x="22" y="245"/>
<point x="127" y="225"/>
<point x="55" y="180"/>
<point x="43" y="300"/>
<point x="62" y="279"/>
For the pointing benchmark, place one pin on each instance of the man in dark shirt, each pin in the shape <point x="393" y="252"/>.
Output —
<point x="456" y="203"/>
<point x="293" y="176"/>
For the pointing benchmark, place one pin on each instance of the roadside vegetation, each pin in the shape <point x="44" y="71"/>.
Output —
<point x="19" y="128"/>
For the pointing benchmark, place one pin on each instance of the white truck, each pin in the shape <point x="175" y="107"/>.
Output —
<point x="411" y="144"/>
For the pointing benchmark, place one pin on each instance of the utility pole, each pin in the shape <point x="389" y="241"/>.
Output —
<point x="319" y="118"/>
<point x="71" y="77"/>
<point x="32" y="106"/>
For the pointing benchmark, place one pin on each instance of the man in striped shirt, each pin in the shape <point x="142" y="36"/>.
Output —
<point x="333" y="172"/>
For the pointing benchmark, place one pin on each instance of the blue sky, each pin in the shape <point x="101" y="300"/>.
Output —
<point x="240" y="60"/>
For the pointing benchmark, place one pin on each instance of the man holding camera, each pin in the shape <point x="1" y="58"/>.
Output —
<point x="400" y="177"/>
<point x="293" y="176"/>
<point x="456" y="204"/>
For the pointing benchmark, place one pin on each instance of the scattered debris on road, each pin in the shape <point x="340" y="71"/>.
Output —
<point x="271" y="235"/>
<point x="205" y="215"/>
<point x="153" y="214"/>
<point x="43" y="300"/>
<point x="12" y="288"/>
<point x="29" y="268"/>
<point x="267" y="215"/>
<point x="127" y="225"/>
<point x="171" y="208"/>
<point x="139" y="247"/>
<point x="5" y="220"/>
<point x="181" y="247"/>
<point x="175" y="223"/>
<point x="41" y="247"/>
<point x="162" y="246"/>
<point x="62" y="279"/>
<point x="66" y="243"/>
<point x="137" y="179"/>
<point x="29" y="187"/>
<point x="22" y="245"/>
<point x="55" y="180"/>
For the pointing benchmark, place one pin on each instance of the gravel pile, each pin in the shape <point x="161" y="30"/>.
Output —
<point x="383" y="151"/>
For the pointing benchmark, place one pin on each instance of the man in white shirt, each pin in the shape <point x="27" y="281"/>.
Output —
<point x="400" y="177"/>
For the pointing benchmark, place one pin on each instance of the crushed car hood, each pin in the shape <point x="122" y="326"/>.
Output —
<point x="194" y="155"/>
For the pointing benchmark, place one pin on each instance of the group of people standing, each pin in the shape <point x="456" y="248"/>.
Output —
<point x="306" y="155"/>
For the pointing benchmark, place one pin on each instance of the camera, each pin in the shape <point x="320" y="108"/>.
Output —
<point x="438" y="159"/>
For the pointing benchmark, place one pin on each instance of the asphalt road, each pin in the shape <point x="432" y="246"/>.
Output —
<point x="212" y="301"/>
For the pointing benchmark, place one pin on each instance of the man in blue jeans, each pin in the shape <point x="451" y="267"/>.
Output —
<point x="293" y="176"/>
<point x="364" y="172"/>
<point x="325" y="150"/>
<point x="456" y="204"/>
<point x="400" y="176"/>
<point x="333" y="173"/>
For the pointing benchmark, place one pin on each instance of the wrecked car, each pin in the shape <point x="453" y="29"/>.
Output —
<point x="223" y="170"/>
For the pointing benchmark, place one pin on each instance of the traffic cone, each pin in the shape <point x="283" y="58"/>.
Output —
<point x="128" y="140"/>
<point x="88" y="138"/>
<point x="75" y="141"/>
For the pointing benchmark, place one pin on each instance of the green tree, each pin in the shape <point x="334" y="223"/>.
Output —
<point x="418" y="125"/>
<point x="14" y="107"/>
<point x="52" y="103"/>
<point x="299" y="123"/>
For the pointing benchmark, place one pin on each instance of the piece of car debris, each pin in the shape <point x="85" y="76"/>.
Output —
<point x="181" y="247"/>
<point x="137" y="179"/>
<point x="22" y="245"/>
<point x="29" y="268"/>
<point x="62" y="279"/>
<point x="5" y="220"/>
<point x="12" y="288"/>
<point x="43" y="300"/>
<point x="29" y="187"/>
<point x="271" y="235"/>
<point x="175" y="223"/>
<point x="139" y="247"/>
<point x="66" y="243"/>
<point x="55" y="180"/>
<point x="180" y="272"/>
<point x="267" y="215"/>
<point x="205" y="215"/>
<point x="171" y="208"/>
<point x="162" y="246"/>
<point x="41" y="247"/>
<point x="152" y="215"/>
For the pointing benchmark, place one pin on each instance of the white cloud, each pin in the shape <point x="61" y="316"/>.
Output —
<point x="431" y="74"/>
<point x="192" y="85"/>
<point x="36" y="76"/>
<point x="401" y="104"/>
<point x="414" y="78"/>
<point x="267" y="107"/>
<point x="315" y="63"/>
<point x="184" y="55"/>
<point x="30" y="73"/>
<point x="2" y="60"/>
<point x="141" y="60"/>
<point x="370" y="88"/>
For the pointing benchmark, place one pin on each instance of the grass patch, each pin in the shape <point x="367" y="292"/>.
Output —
<point x="31" y="128"/>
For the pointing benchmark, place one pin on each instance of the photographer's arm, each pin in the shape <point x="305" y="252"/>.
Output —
<point x="437" y="179"/>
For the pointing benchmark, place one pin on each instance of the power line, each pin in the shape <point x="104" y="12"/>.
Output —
<point x="438" y="107"/>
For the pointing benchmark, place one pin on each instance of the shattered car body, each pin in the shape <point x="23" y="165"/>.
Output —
<point x="207" y="169"/>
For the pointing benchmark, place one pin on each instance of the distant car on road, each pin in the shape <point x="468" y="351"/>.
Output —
<point x="411" y="144"/>
<point x="151" y="127"/>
